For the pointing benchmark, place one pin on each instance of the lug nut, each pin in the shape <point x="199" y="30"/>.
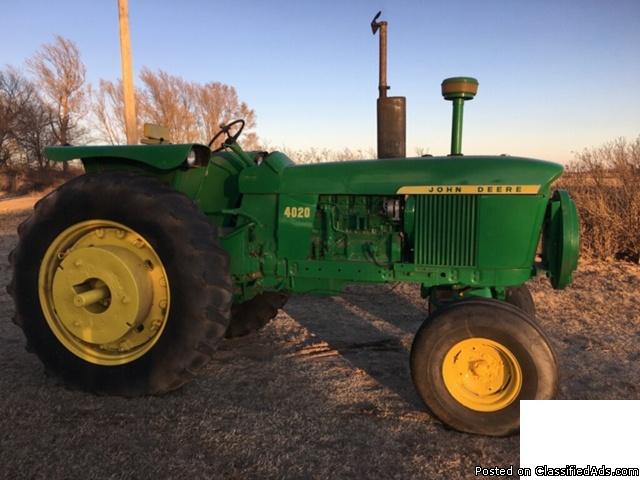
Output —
<point x="163" y="304"/>
<point x="100" y="233"/>
<point x="155" y="325"/>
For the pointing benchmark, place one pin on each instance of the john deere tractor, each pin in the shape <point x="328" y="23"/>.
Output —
<point x="126" y="278"/>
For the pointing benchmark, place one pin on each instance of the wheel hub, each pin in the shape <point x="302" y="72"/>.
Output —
<point x="104" y="292"/>
<point x="117" y="280"/>
<point x="482" y="374"/>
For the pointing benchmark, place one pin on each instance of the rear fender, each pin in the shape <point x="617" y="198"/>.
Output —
<point x="162" y="157"/>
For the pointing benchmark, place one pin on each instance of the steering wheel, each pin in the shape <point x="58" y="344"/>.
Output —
<point x="231" y="139"/>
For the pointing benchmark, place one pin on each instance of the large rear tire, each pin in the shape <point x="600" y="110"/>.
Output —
<point x="254" y="314"/>
<point x="121" y="285"/>
<point x="474" y="360"/>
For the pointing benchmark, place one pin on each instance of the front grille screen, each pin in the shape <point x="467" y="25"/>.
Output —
<point x="445" y="230"/>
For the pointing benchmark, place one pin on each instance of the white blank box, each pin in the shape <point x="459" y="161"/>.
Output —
<point x="558" y="433"/>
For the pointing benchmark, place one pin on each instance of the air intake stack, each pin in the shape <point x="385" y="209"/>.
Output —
<point x="458" y="89"/>
<point x="392" y="116"/>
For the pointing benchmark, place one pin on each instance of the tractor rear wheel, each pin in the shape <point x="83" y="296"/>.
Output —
<point x="254" y="314"/>
<point x="121" y="285"/>
<point x="474" y="360"/>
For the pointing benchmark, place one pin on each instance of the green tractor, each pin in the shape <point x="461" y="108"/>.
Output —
<point x="126" y="278"/>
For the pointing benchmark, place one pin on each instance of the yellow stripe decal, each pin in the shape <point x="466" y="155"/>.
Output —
<point x="470" y="190"/>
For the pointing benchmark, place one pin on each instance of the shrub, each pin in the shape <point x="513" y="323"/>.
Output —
<point x="20" y="180"/>
<point x="605" y="184"/>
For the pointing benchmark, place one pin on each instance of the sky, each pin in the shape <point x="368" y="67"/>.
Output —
<point x="556" y="76"/>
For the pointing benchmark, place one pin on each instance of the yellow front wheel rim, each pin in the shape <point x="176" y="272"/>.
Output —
<point x="482" y="374"/>
<point x="104" y="292"/>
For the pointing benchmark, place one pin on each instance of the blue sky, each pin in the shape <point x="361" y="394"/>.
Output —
<point x="556" y="76"/>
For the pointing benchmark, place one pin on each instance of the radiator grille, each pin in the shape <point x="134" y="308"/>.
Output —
<point x="445" y="230"/>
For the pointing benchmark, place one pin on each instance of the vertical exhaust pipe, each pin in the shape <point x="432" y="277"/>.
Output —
<point x="392" y="111"/>
<point x="458" y="89"/>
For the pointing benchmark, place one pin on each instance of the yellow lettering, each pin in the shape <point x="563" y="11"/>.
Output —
<point x="469" y="189"/>
<point x="297" y="212"/>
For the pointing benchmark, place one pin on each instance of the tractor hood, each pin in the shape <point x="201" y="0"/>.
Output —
<point x="400" y="176"/>
<point x="162" y="157"/>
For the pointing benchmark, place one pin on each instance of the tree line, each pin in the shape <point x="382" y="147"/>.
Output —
<point x="51" y="102"/>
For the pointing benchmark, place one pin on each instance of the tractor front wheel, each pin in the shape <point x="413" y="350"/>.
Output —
<point x="121" y="285"/>
<point x="474" y="360"/>
<point x="519" y="296"/>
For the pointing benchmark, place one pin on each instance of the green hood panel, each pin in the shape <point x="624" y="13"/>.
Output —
<point x="386" y="177"/>
<point x="162" y="157"/>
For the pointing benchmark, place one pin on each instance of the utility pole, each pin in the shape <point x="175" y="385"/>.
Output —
<point x="127" y="74"/>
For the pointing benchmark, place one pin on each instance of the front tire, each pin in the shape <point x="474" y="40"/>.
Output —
<point x="120" y="285"/>
<point x="473" y="361"/>
<point x="519" y="296"/>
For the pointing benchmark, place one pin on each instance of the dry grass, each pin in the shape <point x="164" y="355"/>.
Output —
<point x="22" y="180"/>
<point x="605" y="184"/>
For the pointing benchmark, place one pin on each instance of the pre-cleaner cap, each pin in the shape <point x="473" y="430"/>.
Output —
<point x="459" y="87"/>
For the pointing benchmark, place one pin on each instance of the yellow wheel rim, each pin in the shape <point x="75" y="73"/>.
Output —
<point x="104" y="292"/>
<point x="482" y="374"/>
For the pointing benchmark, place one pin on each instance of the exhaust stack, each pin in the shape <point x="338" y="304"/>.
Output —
<point x="458" y="89"/>
<point x="392" y="111"/>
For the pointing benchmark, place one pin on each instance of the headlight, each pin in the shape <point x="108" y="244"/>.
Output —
<point x="191" y="158"/>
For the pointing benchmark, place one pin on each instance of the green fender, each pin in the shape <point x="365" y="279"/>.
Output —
<point x="561" y="239"/>
<point x="162" y="157"/>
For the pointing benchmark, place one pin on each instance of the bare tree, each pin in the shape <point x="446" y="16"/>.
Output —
<point x="108" y="110"/>
<point x="60" y="74"/>
<point x="192" y="111"/>
<point x="16" y="95"/>
<point x="33" y="131"/>
<point x="216" y="103"/>
<point x="169" y="100"/>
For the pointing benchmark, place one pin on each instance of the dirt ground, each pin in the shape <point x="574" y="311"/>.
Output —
<point x="322" y="392"/>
